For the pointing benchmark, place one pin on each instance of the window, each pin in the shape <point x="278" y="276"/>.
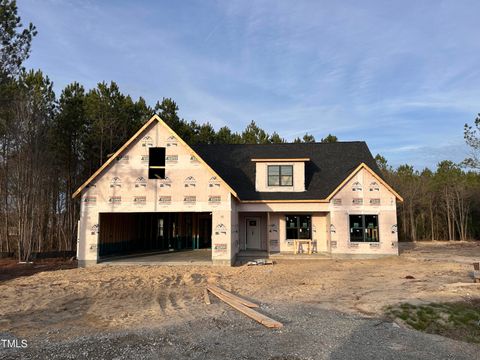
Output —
<point x="156" y="163"/>
<point x="280" y="175"/>
<point x="299" y="226"/>
<point x="364" y="228"/>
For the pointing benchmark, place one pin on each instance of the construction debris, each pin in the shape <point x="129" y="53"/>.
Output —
<point x="206" y="297"/>
<point x="476" y="272"/>
<point x="260" y="262"/>
<point x="215" y="289"/>
<point x="231" y="300"/>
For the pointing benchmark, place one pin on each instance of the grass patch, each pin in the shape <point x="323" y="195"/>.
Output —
<point x="457" y="320"/>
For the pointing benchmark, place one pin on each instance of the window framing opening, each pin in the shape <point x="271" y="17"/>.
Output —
<point x="156" y="163"/>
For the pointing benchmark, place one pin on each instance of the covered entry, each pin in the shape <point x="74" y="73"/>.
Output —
<point x="133" y="233"/>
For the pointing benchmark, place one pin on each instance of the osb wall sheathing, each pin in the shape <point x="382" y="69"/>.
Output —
<point x="189" y="186"/>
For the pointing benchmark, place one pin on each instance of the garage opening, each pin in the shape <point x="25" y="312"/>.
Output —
<point x="135" y="233"/>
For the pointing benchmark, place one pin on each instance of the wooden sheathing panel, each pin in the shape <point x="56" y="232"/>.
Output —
<point x="123" y="187"/>
<point x="363" y="194"/>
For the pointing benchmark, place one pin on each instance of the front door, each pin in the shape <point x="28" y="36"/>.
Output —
<point x="253" y="233"/>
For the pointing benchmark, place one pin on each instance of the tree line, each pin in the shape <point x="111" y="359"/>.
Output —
<point x="49" y="145"/>
<point x="443" y="204"/>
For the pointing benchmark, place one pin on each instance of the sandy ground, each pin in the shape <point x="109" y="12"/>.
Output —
<point x="63" y="304"/>
<point x="11" y="269"/>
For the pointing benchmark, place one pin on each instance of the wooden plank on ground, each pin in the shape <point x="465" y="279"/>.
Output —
<point x="262" y="319"/>
<point x="206" y="297"/>
<point x="219" y="290"/>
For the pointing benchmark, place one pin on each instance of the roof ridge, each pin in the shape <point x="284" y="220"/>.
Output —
<point x="278" y="144"/>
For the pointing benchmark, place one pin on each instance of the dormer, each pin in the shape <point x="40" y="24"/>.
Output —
<point x="280" y="175"/>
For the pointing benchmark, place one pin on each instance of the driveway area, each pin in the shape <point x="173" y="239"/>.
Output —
<point x="221" y="333"/>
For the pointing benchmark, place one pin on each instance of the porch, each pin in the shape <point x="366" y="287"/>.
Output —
<point x="268" y="234"/>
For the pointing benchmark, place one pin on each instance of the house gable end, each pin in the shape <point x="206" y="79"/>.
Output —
<point x="137" y="160"/>
<point x="360" y="186"/>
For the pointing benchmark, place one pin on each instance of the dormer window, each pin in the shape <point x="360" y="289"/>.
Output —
<point x="280" y="175"/>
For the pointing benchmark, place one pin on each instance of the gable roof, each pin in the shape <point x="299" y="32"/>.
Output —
<point x="374" y="174"/>
<point x="133" y="138"/>
<point x="329" y="165"/>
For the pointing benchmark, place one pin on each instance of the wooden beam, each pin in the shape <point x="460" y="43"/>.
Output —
<point x="262" y="319"/>
<point x="215" y="289"/>
<point x="206" y="297"/>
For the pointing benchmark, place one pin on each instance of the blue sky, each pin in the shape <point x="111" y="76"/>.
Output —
<point x="402" y="75"/>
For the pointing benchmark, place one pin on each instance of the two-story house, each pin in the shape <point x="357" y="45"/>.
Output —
<point x="157" y="193"/>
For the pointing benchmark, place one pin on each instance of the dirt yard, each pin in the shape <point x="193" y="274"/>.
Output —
<point x="67" y="303"/>
<point x="11" y="269"/>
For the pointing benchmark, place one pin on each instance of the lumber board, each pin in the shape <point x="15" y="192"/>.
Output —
<point x="213" y="289"/>
<point x="206" y="297"/>
<point x="262" y="319"/>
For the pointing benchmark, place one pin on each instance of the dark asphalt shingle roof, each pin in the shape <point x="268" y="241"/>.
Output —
<point x="329" y="165"/>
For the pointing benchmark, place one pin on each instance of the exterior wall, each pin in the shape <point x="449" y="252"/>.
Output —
<point x="330" y="220"/>
<point x="261" y="177"/>
<point x="285" y="207"/>
<point x="124" y="187"/>
<point x="235" y="236"/>
<point x="386" y="211"/>
<point x="319" y="234"/>
<point x="319" y="231"/>
<point x="274" y="236"/>
<point x="119" y="189"/>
